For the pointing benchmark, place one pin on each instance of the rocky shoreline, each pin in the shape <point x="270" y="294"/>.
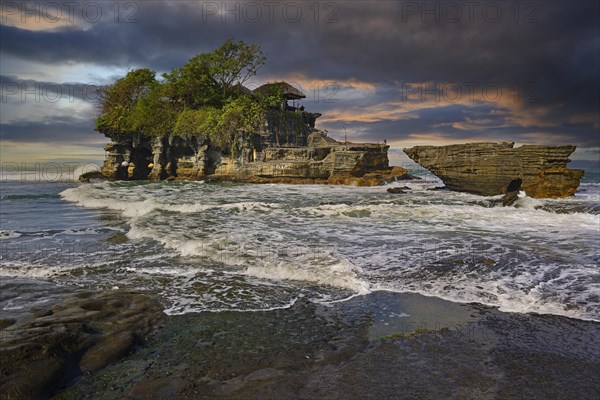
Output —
<point x="382" y="345"/>
<point x="485" y="169"/>
<point x="322" y="161"/>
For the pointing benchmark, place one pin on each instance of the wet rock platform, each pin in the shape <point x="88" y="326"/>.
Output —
<point x="382" y="345"/>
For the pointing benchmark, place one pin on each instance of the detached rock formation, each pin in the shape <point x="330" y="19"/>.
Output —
<point x="490" y="169"/>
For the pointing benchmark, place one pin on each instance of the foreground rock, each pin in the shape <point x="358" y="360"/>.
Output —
<point x="512" y="193"/>
<point x="92" y="176"/>
<point x="41" y="353"/>
<point x="489" y="169"/>
<point x="398" y="190"/>
<point x="358" y="349"/>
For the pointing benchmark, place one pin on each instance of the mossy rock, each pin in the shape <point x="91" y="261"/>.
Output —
<point x="404" y="335"/>
<point x="117" y="238"/>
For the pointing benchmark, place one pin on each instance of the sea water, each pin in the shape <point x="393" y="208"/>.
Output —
<point x="226" y="246"/>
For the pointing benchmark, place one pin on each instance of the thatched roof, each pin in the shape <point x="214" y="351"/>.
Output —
<point x="241" y="89"/>
<point x="289" y="92"/>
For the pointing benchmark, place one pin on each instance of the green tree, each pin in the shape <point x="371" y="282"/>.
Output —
<point x="233" y="63"/>
<point x="191" y="85"/>
<point x="198" y="98"/>
<point x="154" y="114"/>
<point x="209" y="78"/>
<point x="118" y="100"/>
<point x="241" y="119"/>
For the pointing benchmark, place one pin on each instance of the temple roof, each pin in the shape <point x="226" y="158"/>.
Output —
<point x="241" y="89"/>
<point x="289" y="91"/>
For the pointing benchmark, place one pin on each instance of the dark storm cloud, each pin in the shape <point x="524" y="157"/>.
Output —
<point x="59" y="130"/>
<point x="13" y="88"/>
<point x="437" y="123"/>
<point x="378" y="42"/>
<point x="553" y="47"/>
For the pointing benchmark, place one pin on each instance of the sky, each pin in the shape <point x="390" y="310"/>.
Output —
<point x="411" y="73"/>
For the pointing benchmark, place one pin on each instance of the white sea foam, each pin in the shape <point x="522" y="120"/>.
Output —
<point x="525" y="201"/>
<point x="182" y="306"/>
<point x="451" y="245"/>
<point x="184" y="247"/>
<point x="342" y="275"/>
<point x="132" y="208"/>
<point x="25" y="270"/>
<point x="7" y="234"/>
<point x="19" y="304"/>
<point x="516" y="299"/>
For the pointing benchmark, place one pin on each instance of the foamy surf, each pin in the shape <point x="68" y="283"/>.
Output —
<point x="4" y="234"/>
<point x="526" y="258"/>
<point x="525" y="201"/>
<point x="341" y="275"/>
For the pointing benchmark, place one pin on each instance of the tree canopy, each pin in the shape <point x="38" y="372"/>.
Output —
<point x="202" y="97"/>
<point x="210" y="78"/>
<point x="118" y="101"/>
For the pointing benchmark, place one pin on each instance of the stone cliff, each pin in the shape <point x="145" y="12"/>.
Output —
<point x="496" y="168"/>
<point x="289" y="150"/>
<point x="322" y="161"/>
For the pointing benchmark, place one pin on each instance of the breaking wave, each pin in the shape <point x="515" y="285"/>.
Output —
<point x="273" y="243"/>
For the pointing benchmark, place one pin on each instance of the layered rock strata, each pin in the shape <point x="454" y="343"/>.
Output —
<point x="490" y="169"/>
<point x="320" y="160"/>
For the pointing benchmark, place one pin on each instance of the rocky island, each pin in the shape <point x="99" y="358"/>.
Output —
<point x="313" y="157"/>
<point x="490" y="169"/>
<point x="201" y="122"/>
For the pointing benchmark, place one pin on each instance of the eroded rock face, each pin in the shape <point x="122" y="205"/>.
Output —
<point x="288" y="149"/>
<point x="493" y="168"/>
<point x="130" y="157"/>
<point x="324" y="161"/>
<point x="319" y="159"/>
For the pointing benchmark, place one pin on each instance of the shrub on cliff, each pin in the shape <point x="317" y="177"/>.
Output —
<point x="241" y="118"/>
<point x="203" y="121"/>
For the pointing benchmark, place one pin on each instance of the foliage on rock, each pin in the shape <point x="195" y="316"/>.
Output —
<point x="117" y="102"/>
<point x="203" y="121"/>
<point x="199" y="98"/>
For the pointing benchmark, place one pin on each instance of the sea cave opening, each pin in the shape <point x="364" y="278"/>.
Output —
<point x="141" y="158"/>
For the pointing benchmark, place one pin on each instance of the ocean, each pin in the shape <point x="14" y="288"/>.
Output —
<point x="244" y="247"/>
